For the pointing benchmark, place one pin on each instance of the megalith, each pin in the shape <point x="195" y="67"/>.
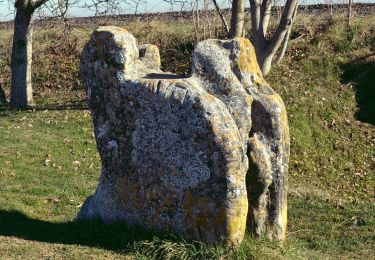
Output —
<point x="204" y="157"/>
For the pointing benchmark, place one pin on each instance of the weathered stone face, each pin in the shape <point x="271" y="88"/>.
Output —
<point x="199" y="156"/>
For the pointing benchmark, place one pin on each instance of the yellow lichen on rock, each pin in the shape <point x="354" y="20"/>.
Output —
<point x="236" y="221"/>
<point x="247" y="61"/>
<point x="284" y="214"/>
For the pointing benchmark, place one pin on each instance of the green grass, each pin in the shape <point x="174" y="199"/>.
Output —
<point x="49" y="163"/>
<point x="329" y="91"/>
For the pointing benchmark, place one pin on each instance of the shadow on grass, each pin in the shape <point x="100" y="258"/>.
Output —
<point x="71" y="105"/>
<point x="5" y="109"/>
<point x="361" y="72"/>
<point x="117" y="237"/>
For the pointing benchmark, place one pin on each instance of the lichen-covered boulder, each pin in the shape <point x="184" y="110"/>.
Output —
<point x="199" y="156"/>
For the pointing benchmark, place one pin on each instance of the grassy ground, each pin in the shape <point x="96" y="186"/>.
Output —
<point x="49" y="163"/>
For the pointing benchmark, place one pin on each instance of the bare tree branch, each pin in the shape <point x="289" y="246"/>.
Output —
<point x="37" y="3"/>
<point x="224" y="21"/>
<point x="284" y="45"/>
<point x="265" y="16"/>
<point x="286" y="21"/>
<point x="255" y="15"/>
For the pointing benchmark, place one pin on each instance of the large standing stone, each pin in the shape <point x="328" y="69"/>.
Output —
<point x="199" y="156"/>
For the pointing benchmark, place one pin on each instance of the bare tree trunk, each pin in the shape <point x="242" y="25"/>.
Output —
<point x="195" y="22"/>
<point x="267" y="48"/>
<point x="198" y="21"/>
<point x="350" y="4"/>
<point x="257" y="37"/>
<point x="331" y="9"/>
<point x="21" y="87"/>
<point x="237" y="20"/>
